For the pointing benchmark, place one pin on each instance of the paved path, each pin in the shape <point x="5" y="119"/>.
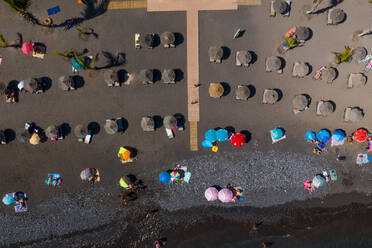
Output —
<point x="128" y="4"/>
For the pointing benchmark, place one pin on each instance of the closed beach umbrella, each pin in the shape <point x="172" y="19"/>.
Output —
<point x="65" y="82"/>
<point x="147" y="40"/>
<point x="80" y="131"/>
<point x="216" y="90"/>
<point x="30" y="84"/>
<point x="222" y="134"/>
<point x="51" y="132"/>
<point x="215" y="53"/>
<point x="244" y="57"/>
<point x="242" y="92"/>
<point x="238" y="139"/>
<point x="111" y="127"/>
<point x="87" y="173"/>
<point x="170" y="121"/>
<point x="329" y="74"/>
<point x="301" y="69"/>
<point x="337" y="16"/>
<point x="273" y="63"/>
<point x="167" y="38"/>
<point x="169" y="76"/>
<point x="300" y="102"/>
<point x="225" y="195"/>
<point x="281" y="6"/>
<point x="303" y="33"/>
<point x="23" y="135"/>
<point x="359" y="53"/>
<point x="360" y="135"/>
<point x="75" y="64"/>
<point x="175" y="176"/>
<point x="356" y="115"/>
<point x="357" y="80"/>
<point x="35" y="139"/>
<point x="207" y="144"/>
<point x="164" y="177"/>
<point x="270" y="96"/>
<point x="323" y="135"/>
<point x="211" y="135"/>
<point x="339" y="135"/>
<point x="211" y="194"/>
<point x="310" y="135"/>
<point x="147" y="76"/>
<point x="27" y="47"/>
<point x="8" y="199"/>
<point x="277" y="133"/>
<point x="325" y="108"/>
<point x="147" y="124"/>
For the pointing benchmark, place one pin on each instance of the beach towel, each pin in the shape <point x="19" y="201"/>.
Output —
<point x="187" y="177"/>
<point x="333" y="175"/>
<point x="366" y="59"/>
<point x="337" y="143"/>
<point x="277" y="140"/>
<point x="363" y="159"/>
<point x="56" y="177"/>
<point x="18" y="209"/>
<point x="53" y="10"/>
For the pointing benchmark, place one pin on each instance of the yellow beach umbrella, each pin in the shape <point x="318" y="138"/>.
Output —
<point x="35" y="139"/>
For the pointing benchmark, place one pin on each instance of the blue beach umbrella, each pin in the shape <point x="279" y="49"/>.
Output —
<point x="339" y="135"/>
<point x="222" y="134"/>
<point x="211" y="135"/>
<point x="75" y="64"/>
<point x="207" y="144"/>
<point x="8" y="199"/>
<point x="164" y="177"/>
<point x="277" y="133"/>
<point x="323" y="135"/>
<point x="310" y="135"/>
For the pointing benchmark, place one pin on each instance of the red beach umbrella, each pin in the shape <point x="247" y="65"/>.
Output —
<point x="238" y="139"/>
<point x="27" y="48"/>
<point x="360" y="135"/>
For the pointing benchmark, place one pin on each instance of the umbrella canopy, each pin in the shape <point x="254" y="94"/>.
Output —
<point x="111" y="127"/>
<point x="238" y="139"/>
<point x="357" y="80"/>
<point x="80" y="131"/>
<point x="337" y="16"/>
<point x="323" y="135"/>
<point x="222" y="134"/>
<point x="124" y="153"/>
<point x="27" y="48"/>
<point x="300" y="69"/>
<point x="123" y="183"/>
<point x="175" y="176"/>
<point x="359" y="53"/>
<point x="23" y="135"/>
<point x="169" y="76"/>
<point x="35" y="139"/>
<point x="147" y="40"/>
<point x="270" y="96"/>
<point x="215" y="53"/>
<point x="244" y="57"/>
<point x="164" y="177"/>
<point x="242" y="92"/>
<point x="52" y="132"/>
<point x="87" y="173"/>
<point x="147" y="76"/>
<point x="273" y="63"/>
<point x="211" y="135"/>
<point x="30" y="84"/>
<point x="75" y="64"/>
<point x="303" y="33"/>
<point x="8" y="199"/>
<point x="356" y="114"/>
<point x="170" y="121"/>
<point x="310" y="135"/>
<point x="329" y="74"/>
<point x="167" y="38"/>
<point x="216" y="90"/>
<point x="300" y="102"/>
<point x="65" y="82"/>
<point x="325" y="108"/>
<point x="277" y="133"/>
<point x="360" y="135"/>
<point x="225" y="195"/>
<point x="281" y="6"/>
<point x="147" y="124"/>
<point x="207" y="143"/>
<point x="339" y="135"/>
<point x="110" y="76"/>
<point x="318" y="181"/>
<point x="211" y="194"/>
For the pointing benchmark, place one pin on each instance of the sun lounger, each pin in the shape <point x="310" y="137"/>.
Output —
<point x="169" y="133"/>
<point x="272" y="10"/>
<point x="347" y="114"/>
<point x="88" y="138"/>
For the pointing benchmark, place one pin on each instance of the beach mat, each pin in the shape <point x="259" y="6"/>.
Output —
<point x="53" y="10"/>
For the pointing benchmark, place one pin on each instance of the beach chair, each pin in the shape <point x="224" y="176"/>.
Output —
<point x="272" y="10"/>
<point x="347" y="114"/>
<point x="289" y="9"/>
<point x="169" y="133"/>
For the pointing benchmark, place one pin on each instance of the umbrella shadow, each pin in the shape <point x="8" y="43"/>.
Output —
<point x="13" y="86"/>
<point x="156" y="40"/>
<point x="230" y="129"/>
<point x="132" y="178"/>
<point x="284" y="63"/>
<point x="254" y="57"/>
<point x="133" y="151"/>
<point x="218" y="187"/>
<point x="122" y="75"/>
<point x="124" y="123"/>
<point x="94" y="128"/>
<point x="308" y="97"/>
<point x="10" y="135"/>
<point x="179" y="75"/>
<point x="280" y="94"/>
<point x="78" y="81"/>
<point x="247" y="134"/>
<point x="180" y="119"/>
<point x="252" y="90"/>
<point x="43" y="137"/>
<point x="226" y="88"/>
<point x="179" y="39"/>
<point x="226" y="52"/>
<point x="158" y="121"/>
<point x="333" y="105"/>
<point x="65" y="128"/>
<point x="310" y="69"/>
<point x="46" y="83"/>
<point x="157" y="75"/>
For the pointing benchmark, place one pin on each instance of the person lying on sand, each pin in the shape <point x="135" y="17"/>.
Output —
<point x="51" y="181"/>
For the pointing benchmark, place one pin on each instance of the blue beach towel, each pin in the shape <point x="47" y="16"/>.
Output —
<point x="333" y="175"/>
<point x="187" y="177"/>
<point x="56" y="177"/>
<point x="53" y="10"/>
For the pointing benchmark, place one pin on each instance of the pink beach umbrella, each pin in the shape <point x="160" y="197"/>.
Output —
<point x="211" y="194"/>
<point x="27" y="48"/>
<point x="225" y="195"/>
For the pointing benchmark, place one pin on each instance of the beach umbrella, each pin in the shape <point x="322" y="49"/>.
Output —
<point x="35" y="139"/>
<point x="75" y="64"/>
<point x="87" y="173"/>
<point x="207" y="144"/>
<point x="147" y="40"/>
<point x="359" y="53"/>
<point x="323" y="135"/>
<point x="8" y="199"/>
<point x="357" y="80"/>
<point x="360" y="135"/>
<point x="238" y="139"/>
<point x="310" y="135"/>
<point x="338" y="135"/>
<point x="303" y="33"/>
<point x="325" y="108"/>
<point x="270" y="96"/>
<point x="170" y="121"/>
<point x="337" y="16"/>
<point x="300" y="102"/>
<point x="211" y="135"/>
<point x="300" y="69"/>
<point x="225" y="195"/>
<point x="175" y="176"/>
<point x="216" y="90"/>
<point x="169" y="76"/>
<point x="123" y="183"/>
<point x="215" y="53"/>
<point x="277" y="133"/>
<point x="242" y="92"/>
<point x="124" y="154"/>
<point x="211" y="194"/>
<point x="356" y="114"/>
<point x="80" y="131"/>
<point x="111" y="127"/>
<point x="30" y="84"/>
<point x="165" y="177"/>
<point x="318" y="181"/>
<point x="52" y="132"/>
<point x="329" y="74"/>
<point x="27" y="48"/>
<point x="244" y="57"/>
<point x="110" y="76"/>
<point x="23" y="135"/>
<point x="167" y="38"/>
<point x="147" y="76"/>
<point x="273" y="63"/>
<point x="147" y="124"/>
<point x="222" y="134"/>
<point x="65" y="82"/>
<point x="281" y="6"/>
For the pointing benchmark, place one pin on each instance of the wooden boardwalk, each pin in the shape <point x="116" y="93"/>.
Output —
<point x="127" y="4"/>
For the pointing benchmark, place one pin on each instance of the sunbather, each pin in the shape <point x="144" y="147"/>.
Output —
<point x="52" y="181"/>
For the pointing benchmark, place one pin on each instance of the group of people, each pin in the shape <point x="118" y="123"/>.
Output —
<point x="319" y="180"/>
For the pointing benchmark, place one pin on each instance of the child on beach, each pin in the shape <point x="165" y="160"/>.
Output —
<point x="308" y="184"/>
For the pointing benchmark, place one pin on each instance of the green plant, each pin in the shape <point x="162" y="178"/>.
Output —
<point x="69" y="53"/>
<point x="3" y="41"/>
<point x="344" y="56"/>
<point x="20" y="6"/>
<point x="291" y="42"/>
<point x="79" y="58"/>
